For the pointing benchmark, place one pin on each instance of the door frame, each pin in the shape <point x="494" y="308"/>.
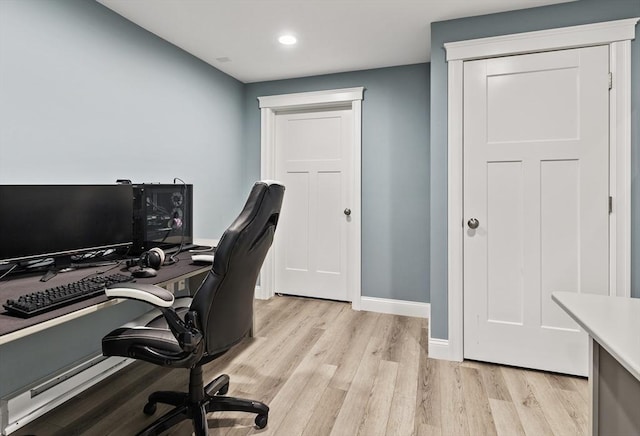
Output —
<point x="617" y="35"/>
<point x="270" y="106"/>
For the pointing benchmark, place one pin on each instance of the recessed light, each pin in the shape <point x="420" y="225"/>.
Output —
<point x="287" y="40"/>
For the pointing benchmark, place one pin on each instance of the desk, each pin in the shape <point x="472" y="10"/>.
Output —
<point x="47" y="359"/>
<point x="12" y="328"/>
<point x="613" y="325"/>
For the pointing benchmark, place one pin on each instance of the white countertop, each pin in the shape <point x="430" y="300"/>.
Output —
<point x="614" y="322"/>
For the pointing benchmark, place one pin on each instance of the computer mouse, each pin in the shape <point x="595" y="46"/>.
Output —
<point x="144" y="272"/>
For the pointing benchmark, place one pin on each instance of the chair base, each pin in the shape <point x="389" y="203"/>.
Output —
<point x="199" y="401"/>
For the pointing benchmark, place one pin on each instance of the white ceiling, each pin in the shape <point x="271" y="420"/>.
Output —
<point x="239" y="37"/>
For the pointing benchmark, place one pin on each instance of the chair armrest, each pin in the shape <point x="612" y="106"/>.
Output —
<point x="185" y="331"/>
<point x="154" y="295"/>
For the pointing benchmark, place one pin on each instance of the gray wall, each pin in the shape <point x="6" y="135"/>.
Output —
<point x="566" y="14"/>
<point x="395" y="171"/>
<point x="88" y="97"/>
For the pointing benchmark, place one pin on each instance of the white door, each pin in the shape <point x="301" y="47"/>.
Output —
<point x="314" y="160"/>
<point x="536" y="179"/>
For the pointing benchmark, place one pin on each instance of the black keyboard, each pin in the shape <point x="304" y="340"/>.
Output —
<point x="36" y="303"/>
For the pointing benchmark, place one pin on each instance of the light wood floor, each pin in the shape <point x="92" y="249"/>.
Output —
<point x="324" y="369"/>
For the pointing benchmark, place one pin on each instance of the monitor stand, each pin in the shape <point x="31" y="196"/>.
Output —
<point x="60" y="264"/>
<point x="51" y="273"/>
<point x="64" y="264"/>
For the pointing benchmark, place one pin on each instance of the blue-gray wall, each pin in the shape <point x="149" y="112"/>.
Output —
<point x="566" y="14"/>
<point x="88" y="97"/>
<point x="395" y="171"/>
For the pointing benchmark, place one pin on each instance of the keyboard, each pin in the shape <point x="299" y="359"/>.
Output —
<point x="35" y="303"/>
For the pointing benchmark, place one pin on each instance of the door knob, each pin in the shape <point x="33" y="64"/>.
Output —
<point x="473" y="223"/>
<point x="347" y="211"/>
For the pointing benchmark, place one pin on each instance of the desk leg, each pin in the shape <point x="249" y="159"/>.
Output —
<point x="594" y="363"/>
<point x="615" y="395"/>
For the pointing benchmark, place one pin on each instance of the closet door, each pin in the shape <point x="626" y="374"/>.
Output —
<point x="536" y="187"/>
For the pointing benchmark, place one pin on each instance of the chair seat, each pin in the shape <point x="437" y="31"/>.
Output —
<point x="122" y="341"/>
<point x="149" y="330"/>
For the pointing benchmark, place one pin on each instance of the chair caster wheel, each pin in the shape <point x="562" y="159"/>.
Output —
<point x="261" y="421"/>
<point x="149" y="408"/>
<point x="223" y="390"/>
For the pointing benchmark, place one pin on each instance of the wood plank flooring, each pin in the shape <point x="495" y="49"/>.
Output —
<point x="325" y="369"/>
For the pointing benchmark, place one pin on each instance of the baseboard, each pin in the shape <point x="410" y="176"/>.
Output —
<point x="260" y="293"/>
<point x="439" y="349"/>
<point x="20" y="408"/>
<point x="395" y="307"/>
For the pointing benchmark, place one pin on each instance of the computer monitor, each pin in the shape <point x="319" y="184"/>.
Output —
<point x="58" y="221"/>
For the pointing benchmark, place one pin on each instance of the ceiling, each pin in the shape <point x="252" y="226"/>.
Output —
<point x="240" y="37"/>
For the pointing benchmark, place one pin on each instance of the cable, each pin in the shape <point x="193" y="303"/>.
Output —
<point x="14" y="266"/>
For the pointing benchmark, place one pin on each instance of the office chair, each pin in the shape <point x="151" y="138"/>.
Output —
<point x="219" y="316"/>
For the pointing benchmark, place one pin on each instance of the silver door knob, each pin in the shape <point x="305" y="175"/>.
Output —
<point x="347" y="211"/>
<point x="473" y="223"/>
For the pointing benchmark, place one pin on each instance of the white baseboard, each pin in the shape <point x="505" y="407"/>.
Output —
<point x="260" y="293"/>
<point x="23" y="407"/>
<point x="395" y="307"/>
<point x="439" y="349"/>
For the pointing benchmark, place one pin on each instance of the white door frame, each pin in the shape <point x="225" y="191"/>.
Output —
<point x="339" y="98"/>
<point x="617" y="35"/>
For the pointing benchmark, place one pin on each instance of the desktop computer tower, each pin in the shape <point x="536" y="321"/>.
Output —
<point x="162" y="216"/>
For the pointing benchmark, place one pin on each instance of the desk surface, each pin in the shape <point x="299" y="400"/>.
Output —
<point x="614" y="322"/>
<point x="12" y="327"/>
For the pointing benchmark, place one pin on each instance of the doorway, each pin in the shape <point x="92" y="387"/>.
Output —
<point x="317" y="248"/>
<point x="313" y="160"/>
<point x="617" y="36"/>
<point x="536" y="201"/>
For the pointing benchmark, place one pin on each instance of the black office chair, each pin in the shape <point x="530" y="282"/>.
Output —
<point x="219" y="316"/>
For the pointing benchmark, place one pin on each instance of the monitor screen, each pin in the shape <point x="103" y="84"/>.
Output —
<point x="39" y="221"/>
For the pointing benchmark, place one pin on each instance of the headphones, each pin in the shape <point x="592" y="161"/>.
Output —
<point x="154" y="258"/>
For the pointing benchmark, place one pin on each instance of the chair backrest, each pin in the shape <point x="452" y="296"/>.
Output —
<point x="224" y="300"/>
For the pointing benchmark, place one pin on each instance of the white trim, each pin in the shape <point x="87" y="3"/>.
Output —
<point x="267" y="170"/>
<point x="543" y="40"/>
<point x="311" y="99"/>
<point x="455" y="212"/>
<point x="440" y="349"/>
<point x="620" y="171"/>
<point x="270" y="106"/>
<point x="354" y="281"/>
<point x="260" y="293"/>
<point x="611" y="33"/>
<point x="395" y="307"/>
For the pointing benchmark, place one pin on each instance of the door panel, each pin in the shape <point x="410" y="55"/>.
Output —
<point x="536" y="178"/>
<point x="504" y="254"/>
<point x="559" y="237"/>
<point x="296" y="238"/>
<point x="330" y="233"/>
<point x="545" y="117"/>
